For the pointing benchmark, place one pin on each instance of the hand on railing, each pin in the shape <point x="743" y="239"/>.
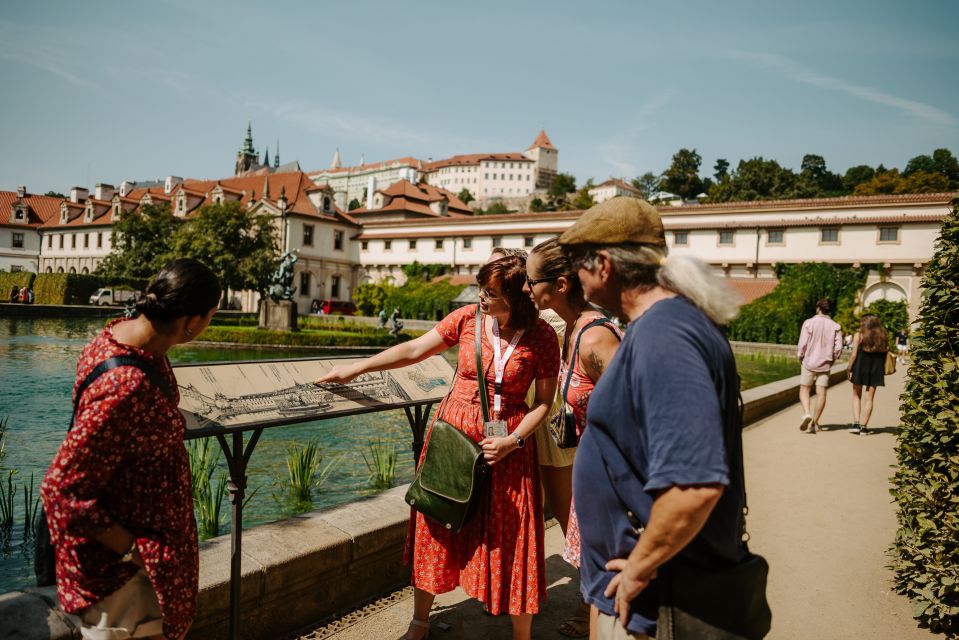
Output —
<point x="340" y="374"/>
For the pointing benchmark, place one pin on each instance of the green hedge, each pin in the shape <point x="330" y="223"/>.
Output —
<point x="300" y="338"/>
<point x="11" y="279"/>
<point x="76" y="288"/>
<point x="926" y="484"/>
<point x="778" y="316"/>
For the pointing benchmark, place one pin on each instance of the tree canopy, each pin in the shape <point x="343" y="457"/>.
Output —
<point x="142" y="242"/>
<point x="682" y="176"/>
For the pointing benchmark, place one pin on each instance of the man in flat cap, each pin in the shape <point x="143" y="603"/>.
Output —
<point x="661" y="421"/>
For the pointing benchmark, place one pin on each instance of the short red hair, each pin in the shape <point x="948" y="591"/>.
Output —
<point x="510" y="274"/>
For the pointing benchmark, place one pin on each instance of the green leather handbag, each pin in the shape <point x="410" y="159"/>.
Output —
<point x="452" y="476"/>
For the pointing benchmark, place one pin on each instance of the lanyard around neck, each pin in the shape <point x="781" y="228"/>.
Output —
<point x="499" y="364"/>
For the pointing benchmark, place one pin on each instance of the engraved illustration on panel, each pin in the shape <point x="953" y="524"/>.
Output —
<point x="232" y="395"/>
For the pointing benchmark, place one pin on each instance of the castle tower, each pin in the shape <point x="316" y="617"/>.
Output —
<point x="276" y="158"/>
<point x="246" y="158"/>
<point x="336" y="164"/>
<point x="546" y="157"/>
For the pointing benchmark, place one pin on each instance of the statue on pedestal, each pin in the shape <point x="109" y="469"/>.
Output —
<point x="278" y="311"/>
<point x="281" y="284"/>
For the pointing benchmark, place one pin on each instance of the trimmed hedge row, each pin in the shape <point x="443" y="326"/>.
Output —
<point x="11" y="279"/>
<point x="300" y="338"/>
<point x="76" y="288"/>
<point x="926" y="484"/>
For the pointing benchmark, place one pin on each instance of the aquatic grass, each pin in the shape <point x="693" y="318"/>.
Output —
<point x="30" y="506"/>
<point x="4" y="421"/>
<point x="304" y="467"/>
<point x="8" y="492"/>
<point x="381" y="463"/>
<point x="209" y="502"/>
<point x="203" y="460"/>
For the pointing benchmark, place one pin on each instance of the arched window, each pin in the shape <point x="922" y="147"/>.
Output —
<point x="85" y="271"/>
<point x="49" y="269"/>
<point x="73" y="270"/>
<point x="59" y="269"/>
<point x="326" y="203"/>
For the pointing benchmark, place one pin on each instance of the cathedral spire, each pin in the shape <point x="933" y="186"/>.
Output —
<point x="248" y="143"/>
<point x="266" y="156"/>
<point x="336" y="160"/>
<point x="276" y="158"/>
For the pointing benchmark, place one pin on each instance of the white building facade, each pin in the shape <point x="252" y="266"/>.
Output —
<point x="613" y="188"/>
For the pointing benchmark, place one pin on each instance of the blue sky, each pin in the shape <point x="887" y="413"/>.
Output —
<point x="108" y="91"/>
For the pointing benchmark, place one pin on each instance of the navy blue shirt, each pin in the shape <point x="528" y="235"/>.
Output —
<point x="657" y="419"/>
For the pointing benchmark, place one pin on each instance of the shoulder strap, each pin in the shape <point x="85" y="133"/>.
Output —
<point x="120" y="361"/>
<point x="480" y="372"/>
<point x="598" y="322"/>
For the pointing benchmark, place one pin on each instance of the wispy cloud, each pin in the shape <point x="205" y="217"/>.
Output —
<point x="39" y="60"/>
<point x="620" y="152"/>
<point x="799" y="73"/>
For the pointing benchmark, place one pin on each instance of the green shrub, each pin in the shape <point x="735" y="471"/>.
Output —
<point x="76" y="288"/>
<point x="893" y="315"/>
<point x="243" y="335"/>
<point x="11" y="279"/>
<point x="926" y="484"/>
<point x="778" y="316"/>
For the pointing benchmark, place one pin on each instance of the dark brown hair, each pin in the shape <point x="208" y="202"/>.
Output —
<point x="556" y="263"/>
<point x="824" y="306"/>
<point x="183" y="287"/>
<point x="510" y="274"/>
<point x="873" y="335"/>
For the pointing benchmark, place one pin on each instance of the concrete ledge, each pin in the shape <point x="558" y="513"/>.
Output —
<point x="764" y="400"/>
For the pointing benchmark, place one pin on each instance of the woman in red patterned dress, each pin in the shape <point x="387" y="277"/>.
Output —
<point x="552" y="284"/>
<point x="118" y="497"/>
<point x="498" y="557"/>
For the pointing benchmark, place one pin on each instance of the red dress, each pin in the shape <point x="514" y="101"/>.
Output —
<point x="124" y="462"/>
<point x="498" y="557"/>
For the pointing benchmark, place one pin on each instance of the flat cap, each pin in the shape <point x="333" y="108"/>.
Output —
<point x="616" y="221"/>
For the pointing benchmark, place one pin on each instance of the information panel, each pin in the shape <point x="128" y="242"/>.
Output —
<point x="230" y="396"/>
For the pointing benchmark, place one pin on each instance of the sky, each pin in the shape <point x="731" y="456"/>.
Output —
<point x="106" y="91"/>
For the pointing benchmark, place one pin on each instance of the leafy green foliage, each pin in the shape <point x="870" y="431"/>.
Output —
<point x="465" y="196"/>
<point x="536" y="205"/>
<point x="926" y="484"/>
<point x="416" y="270"/>
<point x="894" y="316"/>
<point x="381" y="463"/>
<point x="142" y="242"/>
<point x="648" y="183"/>
<point x="778" y="316"/>
<point x="354" y="204"/>
<point x="682" y="176"/>
<point x="583" y="199"/>
<point x="75" y="288"/>
<point x="497" y="208"/>
<point x="563" y="183"/>
<point x="429" y="299"/>
<point x="370" y="298"/>
<point x="11" y="279"/>
<point x="247" y="335"/>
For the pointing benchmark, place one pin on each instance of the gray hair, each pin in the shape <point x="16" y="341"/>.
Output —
<point x="642" y="266"/>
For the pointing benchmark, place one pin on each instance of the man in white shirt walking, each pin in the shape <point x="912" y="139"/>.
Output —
<point x="820" y="343"/>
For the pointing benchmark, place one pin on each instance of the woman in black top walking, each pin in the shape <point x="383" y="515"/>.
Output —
<point x="867" y="369"/>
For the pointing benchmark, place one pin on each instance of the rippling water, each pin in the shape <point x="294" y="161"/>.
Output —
<point x="37" y="368"/>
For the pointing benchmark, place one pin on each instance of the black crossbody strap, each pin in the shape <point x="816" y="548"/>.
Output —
<point x="480" y="373"/>
<point x="112" y="363"/>
<point x="598" y="322"/>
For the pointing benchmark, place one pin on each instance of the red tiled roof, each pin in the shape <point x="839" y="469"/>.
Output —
<point x="403" y="195"/>
<point x="618" y="182"/>
<point x="814" y="203"/>
<point x="542" y="140"/>
<point x="40" y="209"/>
<point x="751" y="288"/>
<point x="473" y="159"/>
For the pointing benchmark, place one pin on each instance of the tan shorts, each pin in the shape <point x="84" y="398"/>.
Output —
<point x="610" y="628"/>
<point x="130" y="612"/>
<point x="549" y="454"/>
<point x="809" y="378"/>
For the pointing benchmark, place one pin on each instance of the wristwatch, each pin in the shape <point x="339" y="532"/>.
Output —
<point x="128" y="556"/>
<point x="520" y="441"/>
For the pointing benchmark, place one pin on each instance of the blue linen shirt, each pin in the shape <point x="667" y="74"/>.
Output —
<point x="656" y="419"/>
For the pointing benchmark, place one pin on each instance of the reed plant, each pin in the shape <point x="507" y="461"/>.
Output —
<point x="4" y="421"/>
<point x="209" y="501"/>
<point x="381" y="463"/>
<point x="8" y="492"/>
<point x="31" y="504"/>
<point x="203" y="460"/>
<point x="305" y="470"/>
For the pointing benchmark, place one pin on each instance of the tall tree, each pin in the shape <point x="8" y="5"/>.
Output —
<point x="648" y="184"/>
<point x="682" y="176"/>
<point x="919" y="163"/>
<point x="857" y="175"/>
<point x="816" y="180"/>
<point x="239" y="246"/>
<point x="465" y="196"/>
<point x="923" y="182"/>
<point x="721" y="169"/>
<point x="882" y="183"/>
<point x="755" y="179"/>
<point x="947" y="165"/>
<point x="563" y="183"/>
<point x="142" y="242"/>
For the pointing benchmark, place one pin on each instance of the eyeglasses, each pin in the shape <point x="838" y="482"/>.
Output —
<point x="531" y="283"/>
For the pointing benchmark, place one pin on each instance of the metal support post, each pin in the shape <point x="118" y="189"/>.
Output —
<point x="418" y="417"/>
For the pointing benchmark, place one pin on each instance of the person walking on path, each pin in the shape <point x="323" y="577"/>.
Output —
<point x="867" y="369"/>
<point x="820" y="343"/>
<point x="660" y="420"/>
<point x="498" y="556"/>
<point x="589" y="345"/>
<point x="118" y="496"/>
<point x="902" y="346"/>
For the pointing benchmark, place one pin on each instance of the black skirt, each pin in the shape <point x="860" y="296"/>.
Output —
<point x="869" y="369"/>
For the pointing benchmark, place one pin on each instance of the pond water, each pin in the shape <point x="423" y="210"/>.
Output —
<point x="37" y="369"/>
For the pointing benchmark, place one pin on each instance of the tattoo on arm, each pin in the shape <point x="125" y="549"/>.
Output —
<point x="594" y="365"/>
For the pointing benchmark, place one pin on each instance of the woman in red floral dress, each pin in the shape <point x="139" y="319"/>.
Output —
<point x="118" y="496"/>
<point x="498" y="557"/>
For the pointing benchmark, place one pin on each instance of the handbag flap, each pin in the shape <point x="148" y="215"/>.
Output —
<point x="449" y="464"/>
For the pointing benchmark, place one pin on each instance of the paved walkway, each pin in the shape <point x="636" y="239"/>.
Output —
<point x="820" y="513"/>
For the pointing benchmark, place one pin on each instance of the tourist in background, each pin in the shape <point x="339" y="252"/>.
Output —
<point x="15" y="294"/>
<point x="498" y="556"/>
<point x="820" y="343"/>
<point x="902" y="346"/>
<point x="554" y="286"/>
<point x="654" y="452"/>
<point x="867" y="367"/>
<point x="118" y="496"/>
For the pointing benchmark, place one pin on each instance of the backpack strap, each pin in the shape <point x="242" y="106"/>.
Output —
<point x="120" y="361"/>
<point x="598" y="322"/>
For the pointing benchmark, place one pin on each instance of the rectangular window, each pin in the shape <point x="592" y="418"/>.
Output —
<point x="412" y="245"/>
<point x="17" y="240"/>
<point x="50" y="241"/>
<point x="439" y="245"/>
<point x="337" y="240"/>
<point x="99" y="240"/>
<point x="829" y="235"/>
<point x="73" y="241"/>
<point x="888" y="234"/>
<point x="364" y="245"/>
<point x="335" y="287"/>
<point x="774" y="236"/>
<point x="726" y="236"/>
<point x="681" y="238"/>
<point x="61" y="240"/>
<point x="308" y="235"/>
<point x="497" y="242"/>
<point x="467" y="243"/>
<point x="304" y="283"/>
<point x="86" y="240"/>
<point x="16" y="267"/>
<point x="387" y="245"/>
<point x="528" y="241"/>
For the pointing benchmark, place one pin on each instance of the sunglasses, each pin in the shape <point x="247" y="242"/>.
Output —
<point x="532" y="283"/>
